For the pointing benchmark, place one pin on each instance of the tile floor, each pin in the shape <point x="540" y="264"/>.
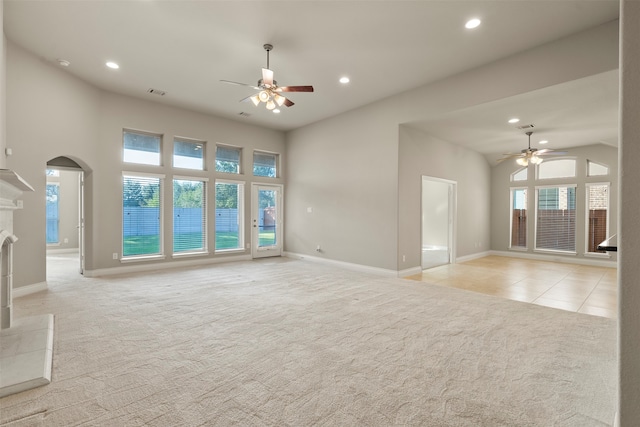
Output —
<point x="579" y="288"/>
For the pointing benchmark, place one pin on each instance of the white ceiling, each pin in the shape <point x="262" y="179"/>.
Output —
<point x="385" y="47"/>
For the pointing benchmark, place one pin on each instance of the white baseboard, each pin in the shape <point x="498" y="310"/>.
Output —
<point x="29" y="289"/>
<point x="54" y="251"/>
<point x="137" y="268"/>
<point x="472" y="256"/>
<point x="556" y="258"/>
<point x="409" y="271"/>
<point x="342" y="264"/>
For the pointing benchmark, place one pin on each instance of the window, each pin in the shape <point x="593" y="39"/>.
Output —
<point x="597" y="216"/>
<point x="519" y="218"/>
<point x="188" y="154"/>
<point x="189" y="216"/>
<point x="560" y="168"/>
<point x="596" y="169"/>
<point x="53" y="213"/>
<point x="264" y="164"/>
<point x="520" y="175"/>
<point x="229" y="215"/>
<point x="228" y="159"/>
<point x="141" y="148"/>
<point x="556" y="218"/>
<point x="141" y="215"/>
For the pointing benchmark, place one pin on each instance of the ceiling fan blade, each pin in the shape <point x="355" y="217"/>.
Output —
<point x="239" y="84"/>
<point x="295" y="89"/>
<point x="248" y="98"/>
<point x="267" y="77"/>
<point x="288" y="102"/>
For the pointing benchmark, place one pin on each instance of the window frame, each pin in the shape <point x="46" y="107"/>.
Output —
<point x="205" y="217"/>
<point x="608" y="218"/>
<point x="575" y="237"/>
<point x="161" y="183"/>
<point x="144" y="133"/>
<point x="240" y="216"/>
<point x="546" y="162"/>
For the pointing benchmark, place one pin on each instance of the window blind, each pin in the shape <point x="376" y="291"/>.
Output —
<point x="189" y="216"/>
<point x="556" y="219"/>
<point x="227" y="159"/>
<point x="141" y="215"/>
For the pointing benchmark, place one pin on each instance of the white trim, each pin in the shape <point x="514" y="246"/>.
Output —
<point x="29" y="289"/>
<point x="473" y="256"/>
<point x="190" y="178"/>
<point x="409" y="271"/>
<point x="345" y="265"/>
<point x="63" y="251"/>
<point x="570" y="259"/>
<point x="163" y="266"/>
<point x="143" y="175"/>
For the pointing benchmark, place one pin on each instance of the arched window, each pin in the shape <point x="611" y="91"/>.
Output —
<point x="596" y="169"/>
<point x="520" y="175"/>
<point x="557" y="168"/>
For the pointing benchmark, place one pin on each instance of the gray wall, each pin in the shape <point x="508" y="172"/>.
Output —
<point x="500" y="196"/>
<point x="422" y="154"/>
<point x="3" y="88"/>
<point x="348" y="168"/>
<point x="52" y="113"/>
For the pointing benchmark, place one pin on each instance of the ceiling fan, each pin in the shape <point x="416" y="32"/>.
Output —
<point x="270" y="92"/>
<point x="530" y="155"/>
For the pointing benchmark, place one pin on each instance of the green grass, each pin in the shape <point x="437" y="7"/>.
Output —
<point x="150" y="245"/>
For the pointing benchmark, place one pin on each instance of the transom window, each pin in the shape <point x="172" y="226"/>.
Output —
<point x="228" y="159"/>
<point x="141" y="148"/>
<point x="520" y="175"/>
<point x="188" y="154"/>
<point x="265" y="164"/>
<point x="559" y="168"/>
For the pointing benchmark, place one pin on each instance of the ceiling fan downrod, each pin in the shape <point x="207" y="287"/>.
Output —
<point x="268" y="47"/>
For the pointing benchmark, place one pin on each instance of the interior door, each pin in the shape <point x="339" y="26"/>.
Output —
<point x="266" y="220"/>
<point x="438" y="219"/>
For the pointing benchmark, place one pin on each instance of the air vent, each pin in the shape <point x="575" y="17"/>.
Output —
<point x="157" y="92"/>
<point x="523" y="127"/>
<point x="244" y="114"/>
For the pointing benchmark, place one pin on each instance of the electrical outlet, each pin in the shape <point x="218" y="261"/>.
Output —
<point x="318" y="248"/>
<point x="115" y="255"/>
<point x="404" y="258"/>
<point x="66" y="240"/>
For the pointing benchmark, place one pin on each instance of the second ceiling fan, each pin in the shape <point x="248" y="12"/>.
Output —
<point x="530" y="155"/>
<point x="269" y="91"/>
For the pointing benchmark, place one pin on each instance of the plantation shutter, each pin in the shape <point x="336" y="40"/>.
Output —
<point x="556" y="219"/>
<point x="141" y="215"/>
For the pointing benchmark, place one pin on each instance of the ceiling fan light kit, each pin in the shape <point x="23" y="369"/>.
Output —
<point x="269" y="89"/>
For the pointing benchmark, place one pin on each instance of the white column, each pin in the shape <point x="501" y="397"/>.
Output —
<point x="629" y="229"/>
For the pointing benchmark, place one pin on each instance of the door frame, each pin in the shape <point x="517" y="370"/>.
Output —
<point x="256" y="250"/>
<point x="453" y="214"/>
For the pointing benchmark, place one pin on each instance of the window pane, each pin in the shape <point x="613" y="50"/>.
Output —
<point x="189" y="216"/>
<point x="519" y="218"/>
<point x="264" y="164"/>
<point x="520" y="175"/>
<point x="597" y="205"/>
<point x="229" y="227"/>
<point x="188" y="155"/>
<point x="141" y="216"/>
<point x="141" y="148"/>
<point x="561" y="168"/>
<point x="556" y="219"/>
<point x="227" y="159"/>
<point x="53" y="213"/>
<point x="596" y="169"/>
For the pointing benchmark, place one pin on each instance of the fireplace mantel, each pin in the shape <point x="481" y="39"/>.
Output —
<point x="11" y="187"/>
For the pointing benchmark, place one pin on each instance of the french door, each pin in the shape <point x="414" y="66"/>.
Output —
<point x="266" y="220"/>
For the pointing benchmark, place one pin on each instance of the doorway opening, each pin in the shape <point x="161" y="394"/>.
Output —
<point x="64" y="219"/>
<point x="438" y="222"/>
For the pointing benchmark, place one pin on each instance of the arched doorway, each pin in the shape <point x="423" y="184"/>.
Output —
<point x="65" y="218"/>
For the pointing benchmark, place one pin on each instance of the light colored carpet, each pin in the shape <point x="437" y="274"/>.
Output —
<point x="282" y="342"/>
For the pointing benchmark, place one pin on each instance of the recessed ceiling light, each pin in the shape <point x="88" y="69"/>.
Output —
<point x="544" y="141"/>
<point x="472" y="23"/>
<point x="276" y="111"/>
<point x="514" y="120"/>
<point x="112" y="65"/>
<point x="344" y="80"/>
